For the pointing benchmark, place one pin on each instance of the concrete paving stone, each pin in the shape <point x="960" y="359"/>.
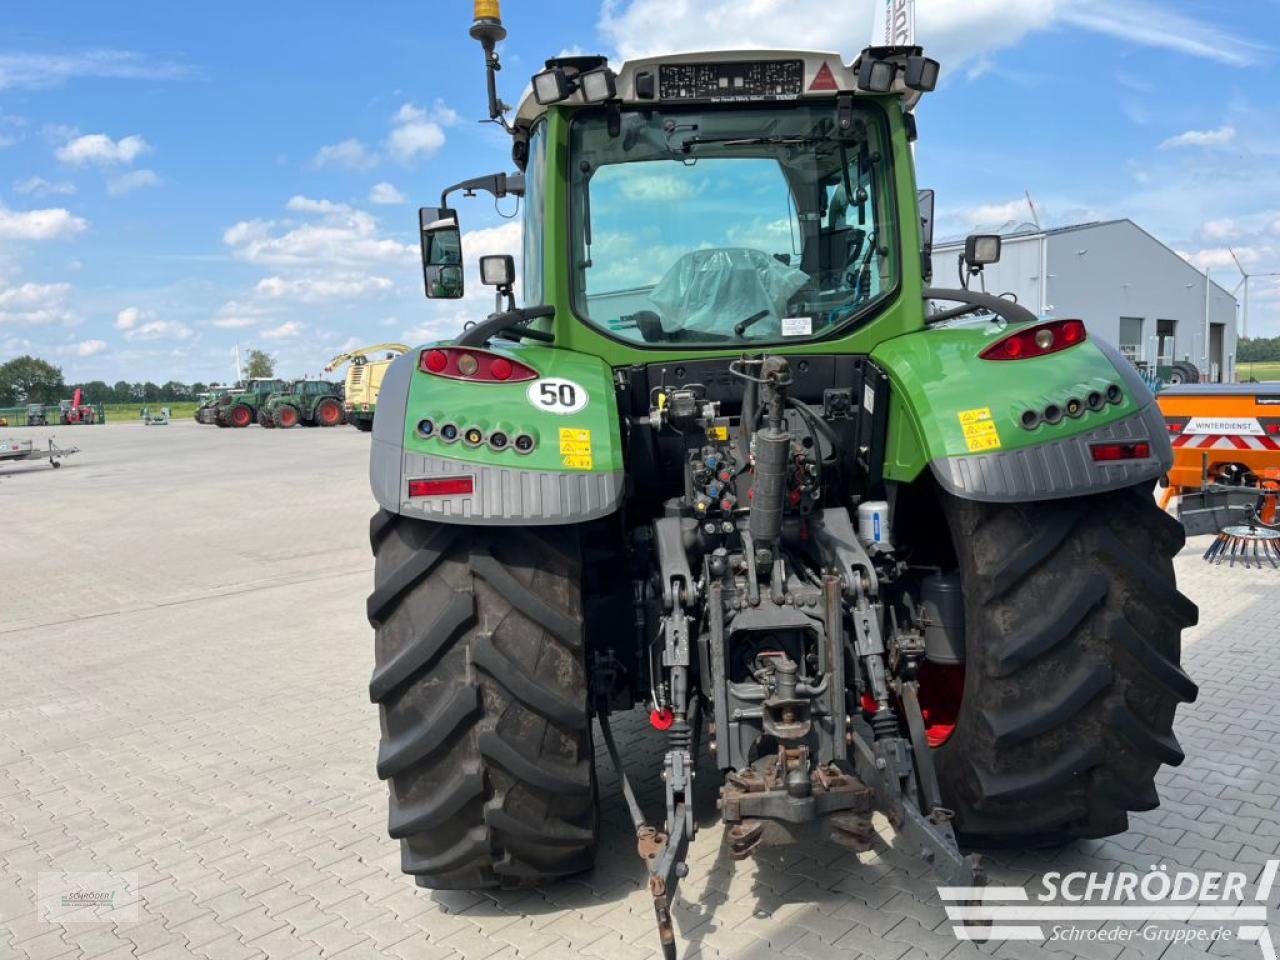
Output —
<point x="228" y="947"/>
<point x="194" y="758"/>
<point x="281" y="942"/>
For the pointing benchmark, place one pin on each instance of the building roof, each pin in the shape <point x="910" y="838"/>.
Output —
<point x="1019" y="231"/>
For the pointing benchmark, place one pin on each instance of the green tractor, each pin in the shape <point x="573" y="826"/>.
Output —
<point x="881" y="546"/>
<point x="313" y="403"/>
<point x="238" y="407"/>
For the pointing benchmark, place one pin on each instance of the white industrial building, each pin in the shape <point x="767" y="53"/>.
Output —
<point x="1128" y="287"/>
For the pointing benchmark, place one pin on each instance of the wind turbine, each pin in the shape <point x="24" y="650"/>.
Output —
<point x="1244" y="282"/>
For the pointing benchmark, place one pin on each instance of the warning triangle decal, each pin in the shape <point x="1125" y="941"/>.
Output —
<point x="825" y="79"/>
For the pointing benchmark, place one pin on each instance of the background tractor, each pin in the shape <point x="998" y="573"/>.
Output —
<point x="873" y="555"/>
<point x="75" y="410"/>
<point x="364" y="380"/>
<point x="313" y="403"/>
<point x="239" y="407"/>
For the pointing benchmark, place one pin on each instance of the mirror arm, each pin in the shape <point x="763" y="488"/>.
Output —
<point x="974" y="301"/>
<point x="498" y="184"/>
<point x="479" y="335"/>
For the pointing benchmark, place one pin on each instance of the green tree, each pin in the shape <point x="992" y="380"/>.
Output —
<point x="260" y="365"/>
<point x="95" y="391"/>
<point x="30" y="380"/>
<point x="121" y="393"/>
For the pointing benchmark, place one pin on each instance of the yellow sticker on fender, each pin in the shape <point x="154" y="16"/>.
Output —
<point x="979" y="430"/>
<point x="575" y="448"/>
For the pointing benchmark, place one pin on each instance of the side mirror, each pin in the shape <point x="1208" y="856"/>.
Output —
<point x="441" y="252"/>
<point x="925" y="201"/>
<point x="981" y="249"/>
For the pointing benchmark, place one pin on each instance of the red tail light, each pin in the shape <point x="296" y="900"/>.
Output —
<point x="1175" y="426"/>
<point x="1111" y="452"/>
<point x="442" y="487"/>
<point x="1037" y="341"/>
<point x="466" y="363"/>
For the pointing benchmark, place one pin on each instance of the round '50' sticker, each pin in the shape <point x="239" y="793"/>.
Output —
<point x="555" y="395"/>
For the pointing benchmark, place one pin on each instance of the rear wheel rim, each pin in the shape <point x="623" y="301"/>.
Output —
<point x="240" y="417"/>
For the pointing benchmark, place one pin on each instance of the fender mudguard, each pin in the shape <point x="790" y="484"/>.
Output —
<point x="969" y="420"/>
<point x="572" y="472"/>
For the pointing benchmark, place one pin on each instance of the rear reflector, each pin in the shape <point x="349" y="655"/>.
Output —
<point x="442" y="487"/>
<point x="1111" y="452"/>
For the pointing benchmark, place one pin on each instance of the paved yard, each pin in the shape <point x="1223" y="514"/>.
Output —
<point x="183" y="661"/>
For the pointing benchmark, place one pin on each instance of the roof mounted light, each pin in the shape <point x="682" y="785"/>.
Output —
<point x="921" y="73"/>
<point x="876" y="76"/>
<point x="598" y="85"/>
<point x="552" y="86"/>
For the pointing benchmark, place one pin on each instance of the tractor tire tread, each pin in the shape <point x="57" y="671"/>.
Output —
<point x="481" y="683"/>
<point x="1072" y="674"/>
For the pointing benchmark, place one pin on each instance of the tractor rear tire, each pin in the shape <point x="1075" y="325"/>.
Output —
<point x="363" y="424"/>
<point x="480" y="677"/>
<point x="286" y="416"/>
<point x="265" y="419"/>
<point x="328" y="413"/>
<point x="1071" y="678"/>
<point x="239" y="416"/>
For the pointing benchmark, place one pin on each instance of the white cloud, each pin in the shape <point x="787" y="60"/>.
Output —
<point x="350" y="154"/>
<point x="386" y="193"/>
<point x="133" y="180"/>
<point x="658" y="187"/>
<point x="1220" y="229"/>
<point x="1201" y="138"/>
<point x="314" y="288"/>
<point x="39" y="70"/>
<point x="90" y="348"/>
<point x="40" y="187"/>
<point x="51" y="224"/>
<point x="33" y="304"/>
<point x="234" y="322"/>
<point x="415" y="133"/>
<point x="138" y="325"/>
<point x="339" y="235"/>
<point x="301" y="204"/>
<point x="286" y="331"/>
<point x="159" y="330"/>
<point x="100" y="149"/>
<point x="955" y="31"/>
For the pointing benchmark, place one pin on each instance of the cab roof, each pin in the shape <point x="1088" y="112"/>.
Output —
<point x="728" y="76"/>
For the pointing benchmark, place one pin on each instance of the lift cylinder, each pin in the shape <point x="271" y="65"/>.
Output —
<point x="769" y="490"/>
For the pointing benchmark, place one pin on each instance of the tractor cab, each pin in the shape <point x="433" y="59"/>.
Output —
<point x="723" y="201"/>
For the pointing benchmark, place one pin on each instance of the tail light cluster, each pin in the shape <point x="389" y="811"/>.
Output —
<point x="481" y="366"/>
<point x="1037" y="341"/>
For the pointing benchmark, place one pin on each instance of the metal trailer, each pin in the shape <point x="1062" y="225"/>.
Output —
<point x="14" y="451"/>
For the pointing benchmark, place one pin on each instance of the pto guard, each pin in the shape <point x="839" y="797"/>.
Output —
<point x="573" y="474"/>
<point x="962" y="415"/>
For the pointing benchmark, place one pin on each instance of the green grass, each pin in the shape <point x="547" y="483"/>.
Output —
<point x="1260" y="371"/>
<point x="124" y="412"/>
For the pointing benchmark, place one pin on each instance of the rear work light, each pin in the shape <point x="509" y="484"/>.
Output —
<point x="480" y="366"/>
<point x="1037" y="341"/>
<point x="442" y="487"/>
<point x="1111" y="452"/>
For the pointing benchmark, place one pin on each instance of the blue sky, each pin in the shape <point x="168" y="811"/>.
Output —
<point x="176" y="179"/>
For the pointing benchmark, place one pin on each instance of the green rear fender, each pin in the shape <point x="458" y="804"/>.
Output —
<point x="963" y="416"/>
<point x="571" y="472"/>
